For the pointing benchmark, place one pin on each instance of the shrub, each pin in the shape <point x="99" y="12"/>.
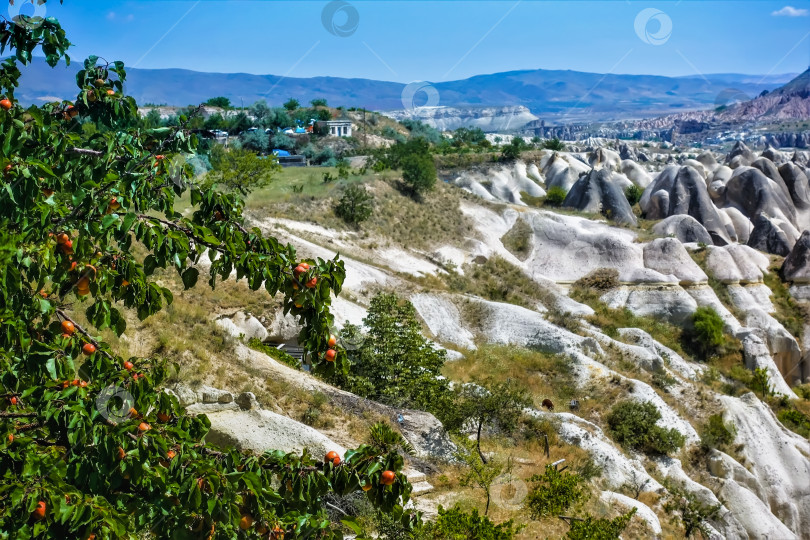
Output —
<point x="355" y="205"/>
<point x="554" y="144"/>
<point x="456" y="524"/>
<point x="555" y="196"/>
<point x="633" y="425"/>
<point x="707" y="330"/>
<point x="760" y="381"/>
<point x="277" y="354"/>
<point x="511" y="151"/>
<point x="418" y="173"/>
<point x="795" y="421"/>
<point x="716" y="434"/>
<point x="554" y="493"/>
<point x="633" y="194"/>
<point x="688" y="511"/>
<point x="601" y="279"/>
<point x="592" y="528"/>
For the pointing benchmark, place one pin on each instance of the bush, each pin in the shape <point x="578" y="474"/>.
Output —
<point x="277" y="354"/>
<point x="511" y="151"/>
<point x="418" y="173"/>
<point x="715" y="434"/>
<point x="795" y="421"/>
<point x="355" y="205"/>
<point x="456" y="524"/>
<point x="601" y="279"/>
<point x="633" y="194"/>
<point x="633" y="425"/>
<point x="688" y="511"/>
<point x="707" y="331"/>
<point x="555" y="196"/>
<point x="554" y="144"/>
<point x="592" y="528"/>
<point x="554" y="493"/>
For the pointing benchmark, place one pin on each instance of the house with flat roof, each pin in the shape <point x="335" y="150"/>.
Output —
<point x="341" y="127"/>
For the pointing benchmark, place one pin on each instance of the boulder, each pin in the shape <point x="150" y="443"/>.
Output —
<point x="261" y="430"/>
<point x="668" y="256"/>
<point x="681" y="190"/>
<point x="742" y="152"/>
<point x="604" y="158"/>
<point x="683" y="227"/>
<point x="796" y="267"/>
<point x="562" y="172"/>
<point x="740" y="224"/>
<point x="797" y="184"/>
<point x="597" y="192"/>
<point x="635" y="173"/>
<point x="736" y="264"/>
<point x="767" y="236"/>
<point x="753" y="193"/>
<point x="242" y="324"/>
<point x="767" y="167"/>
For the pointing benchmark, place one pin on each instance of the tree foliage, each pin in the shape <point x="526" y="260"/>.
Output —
<point x="219" y="101"/>
<point x="591" y="528"/>
<point x="554" y="492"/>
<point x="689" y="512"/>
<point x="456" y="524"/>
<point x="355" y="205"/>
<point x="707" y="330"/>
<point x="240" y="170"/>
<point x="91" y="446"/>
<point x="633" y="425"/>
<point x="485" y="402"/>
<point x="392" y="362"/>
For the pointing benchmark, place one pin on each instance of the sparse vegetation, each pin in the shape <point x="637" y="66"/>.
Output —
<point x="716" y="433"/>
<point x="687" y="511"/>
<point x="592" y="528"/>
<point x="633" y="194"/>
<point x="601" y="279"/>
<point x="787" y="311"/>
<point x="518" y="240"/>
<point x="273" y="352"/>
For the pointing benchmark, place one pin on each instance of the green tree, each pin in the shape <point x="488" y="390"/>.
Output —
<point x="554" y="144"/>
<point x="215" y="121"/>
<point x="392" y="362"/>
<point x="291" y="104"/>
<point x="511" y="151"/>
<point x="255" y="141"/>
<point x="152" y="118"/>
<point x="355" y="205"/>
<point x="239" y="170"/>
<point x="554" y="492"/>
<point x="479" y="473"/>
<point x="418" y="173"/>
<point x="488" y="402"/>
<point x="318" y="102"/>
<point x="74" y="463"/>
<point x="707" y="330"/>
<point x="220" y="101"/>
<point x="283" y="142"/>
<point x="760" y="382"/>
<point x="456" y="524"/>
<point x="591" y="528"/>
<point x="238" y="123"/>
<point x="633" y="425"/>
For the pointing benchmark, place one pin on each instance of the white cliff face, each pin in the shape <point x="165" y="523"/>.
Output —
<point x="450" y="118"/>
<point x="766" y="494"/>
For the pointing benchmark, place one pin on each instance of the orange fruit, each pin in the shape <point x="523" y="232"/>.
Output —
<point x="68" y="327"/>
<point x="39" y="511"/>
<point x="387" y="478"/>
<point x="311" y="283"/>
<point x="88" y="349"/>
<point x="246" y="522"/>
<point x="330" y="355"/>
<point x="5" y="104"/>
<point x="143" y="426"/>
<point x="332" y="341"/>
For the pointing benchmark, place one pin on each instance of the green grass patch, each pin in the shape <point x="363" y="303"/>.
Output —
<point x="788" y="312"/>
<point x="518" y="239"/>
<point x="272" y="352"/>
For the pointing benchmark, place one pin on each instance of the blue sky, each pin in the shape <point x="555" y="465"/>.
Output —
<point x="442" y="40"/>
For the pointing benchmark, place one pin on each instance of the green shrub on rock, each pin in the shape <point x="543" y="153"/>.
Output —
<point x="633" y="425"/>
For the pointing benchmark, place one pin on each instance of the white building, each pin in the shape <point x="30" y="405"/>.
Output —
<point x="339" y="128"/>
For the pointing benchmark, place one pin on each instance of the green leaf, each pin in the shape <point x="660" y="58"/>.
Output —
<point x="190" y="276"/>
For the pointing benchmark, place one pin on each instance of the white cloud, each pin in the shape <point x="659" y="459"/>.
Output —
<point x="790" y="11"/>
<point x="110" y="15"/>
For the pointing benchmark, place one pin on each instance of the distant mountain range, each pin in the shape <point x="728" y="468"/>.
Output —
<point x="553" y="95"/>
